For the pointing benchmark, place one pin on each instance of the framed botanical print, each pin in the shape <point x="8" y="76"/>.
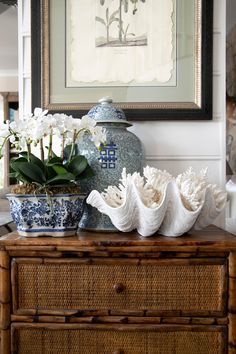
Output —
<point x="152" y="57"/>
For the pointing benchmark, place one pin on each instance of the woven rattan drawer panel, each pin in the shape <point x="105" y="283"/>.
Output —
<point x="72" y="284"/>
<point x="62" y="340"/>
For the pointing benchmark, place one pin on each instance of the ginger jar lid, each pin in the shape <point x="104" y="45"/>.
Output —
<point x="106" y="112"/>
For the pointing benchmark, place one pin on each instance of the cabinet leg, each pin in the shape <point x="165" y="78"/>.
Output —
<point x="5" y="343"/>
<point x="4" y="290"/>
<point x="232" y="304"/>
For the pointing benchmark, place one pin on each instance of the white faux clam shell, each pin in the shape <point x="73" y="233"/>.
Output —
<point x="209" y="211"/>
<point x="169" y="218"/>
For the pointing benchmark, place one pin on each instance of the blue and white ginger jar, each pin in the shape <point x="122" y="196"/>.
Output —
<point x="122" y="149"/>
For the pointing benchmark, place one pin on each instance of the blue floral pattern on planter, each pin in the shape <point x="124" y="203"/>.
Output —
<point x="41" y="215"/>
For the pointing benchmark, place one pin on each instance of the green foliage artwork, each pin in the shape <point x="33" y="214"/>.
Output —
<point x="115" y="18"/>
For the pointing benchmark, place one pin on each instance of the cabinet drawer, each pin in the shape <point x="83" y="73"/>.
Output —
<point x="67" y="339"/>
<point x="194" y="287"/>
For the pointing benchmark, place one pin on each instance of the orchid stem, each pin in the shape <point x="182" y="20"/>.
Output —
<point x="50" y="146"/>
<point x="72" y="150"/>
<point x="41" y="150"/>
<point x="2" y="146"/>
<point x="28" y="151"/>
<point x="62" y="147"/>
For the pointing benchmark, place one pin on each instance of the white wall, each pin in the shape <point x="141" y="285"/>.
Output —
<point x="169" y="145"/>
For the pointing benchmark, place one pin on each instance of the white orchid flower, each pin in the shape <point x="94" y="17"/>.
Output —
<point x="98" y="136"/>
<point x="4" y="130"/>
<point x="13" y="126"/>
<point x="61" y="120"/>
<point x="34" y="128"/>
<point x="39" y="113"/>
<point x="76" y="124"/>
<point x="87" y="122"/>
<point x="12" y="139"/>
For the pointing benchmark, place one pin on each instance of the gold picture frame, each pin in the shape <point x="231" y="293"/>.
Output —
<point x="49" y="73"/>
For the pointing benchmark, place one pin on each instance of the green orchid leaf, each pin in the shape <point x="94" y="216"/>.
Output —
<point x="13" y="175"/>
<point x="14" y="163"/>
<point x="77" y="165"/>
<point x="67" y="151"/>
<point x="50" y="172"/>
<point x="23" y="153"/>
<point x="20" y="176"/>
<point x="29" y="171"/>
<point x="86" y="174"/>
<point x="17" y="159"/>
<point x="34" y="159"/>
<point x="60" y="170"/>
<point x="59" y="179"/>
<point x="55" y="161"/>
<point x="52" y="153"/>
<point x="23" y="178"/>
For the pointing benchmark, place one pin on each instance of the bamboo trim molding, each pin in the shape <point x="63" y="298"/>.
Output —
<point x="118" y="327"/>
<point x="96" y="319"/>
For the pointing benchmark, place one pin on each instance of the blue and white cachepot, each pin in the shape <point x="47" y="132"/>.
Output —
<point x="43" y="215"/>
<point x="122" y="149"/>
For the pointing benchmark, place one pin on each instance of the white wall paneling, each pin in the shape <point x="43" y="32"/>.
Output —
<point x="25" y="13"/>
<point x="179" y="138"/>
<point x="26" y="55"/>
<point x="217" y="59"/>
<point x="219" y="15"/>
<point x="218" y="103"/>
<point x="24" y="48"/>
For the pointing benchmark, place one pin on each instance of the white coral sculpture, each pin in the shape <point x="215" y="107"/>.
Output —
<point x="156" y="183"/>
<point x="192" y="187"/>
<point x="115" y="196"/>
<point x="159" y="202"/>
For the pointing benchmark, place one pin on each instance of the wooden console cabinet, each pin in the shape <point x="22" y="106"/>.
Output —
<point x="118" y="293"/>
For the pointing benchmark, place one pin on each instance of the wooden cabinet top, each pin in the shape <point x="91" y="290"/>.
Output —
<point x="209" y="239"/>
